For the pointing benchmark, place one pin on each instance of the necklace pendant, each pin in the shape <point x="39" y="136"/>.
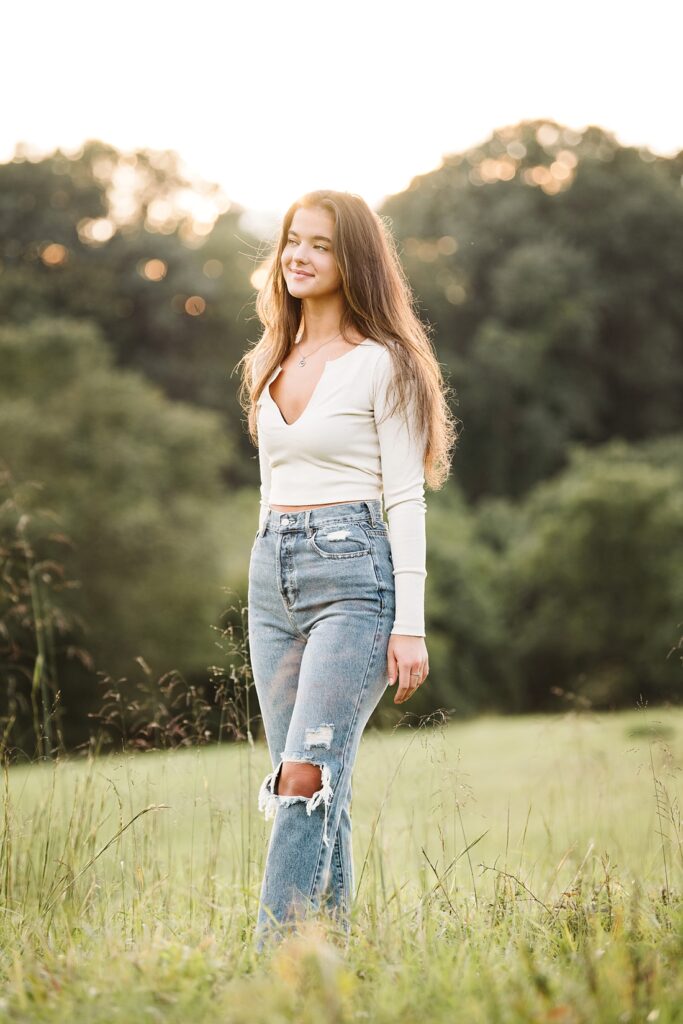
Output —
<point x="302" y="361"/>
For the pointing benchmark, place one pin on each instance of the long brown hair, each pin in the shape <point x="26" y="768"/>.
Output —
<point x="379" y="304"/>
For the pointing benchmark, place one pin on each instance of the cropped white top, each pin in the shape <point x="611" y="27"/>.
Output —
<point x="337" y="451"/>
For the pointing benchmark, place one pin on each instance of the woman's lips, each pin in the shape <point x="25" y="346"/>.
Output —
<point x="301" y="273"/>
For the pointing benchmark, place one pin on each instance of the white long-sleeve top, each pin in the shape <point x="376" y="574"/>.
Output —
<point x="338" y="450"/>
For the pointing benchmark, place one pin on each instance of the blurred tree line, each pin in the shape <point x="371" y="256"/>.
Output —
<point x="549" y="264"/>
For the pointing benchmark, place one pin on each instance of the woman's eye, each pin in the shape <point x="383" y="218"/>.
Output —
<point x="293" y="241"/>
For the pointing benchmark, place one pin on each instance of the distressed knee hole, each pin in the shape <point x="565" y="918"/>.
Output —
<point x="295" y="782"/>
<point x="298" y="778"/>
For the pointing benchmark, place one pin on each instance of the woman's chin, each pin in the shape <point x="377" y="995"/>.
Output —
<point x="301" y="286"/>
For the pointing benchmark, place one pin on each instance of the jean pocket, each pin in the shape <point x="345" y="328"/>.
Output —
<point x="340" y="540"/>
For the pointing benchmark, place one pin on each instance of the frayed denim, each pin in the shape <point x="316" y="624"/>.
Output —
<point x="321" y="606"/>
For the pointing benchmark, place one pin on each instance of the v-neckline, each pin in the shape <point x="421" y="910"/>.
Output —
<point x="315" y="389"/>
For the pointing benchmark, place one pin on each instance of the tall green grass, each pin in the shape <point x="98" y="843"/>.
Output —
<point x="507" y="869"/>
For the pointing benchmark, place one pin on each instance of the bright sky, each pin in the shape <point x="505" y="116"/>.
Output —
<point x="271" y="99"/>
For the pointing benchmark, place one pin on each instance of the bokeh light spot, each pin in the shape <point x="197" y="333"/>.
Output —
<point x="195" y="305"/>
<point x="54" y="254"/>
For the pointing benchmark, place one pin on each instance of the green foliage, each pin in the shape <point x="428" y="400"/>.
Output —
<point x="466" y="638"/>
<point x="133" y="480"/>
<point x="550" y="263"/>
<point x="573" y="593"/>
<point x="144" y="319"/>
<point x="593" y="581"/>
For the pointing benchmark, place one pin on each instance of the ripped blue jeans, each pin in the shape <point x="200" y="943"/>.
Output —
<point x="321" y="605"/>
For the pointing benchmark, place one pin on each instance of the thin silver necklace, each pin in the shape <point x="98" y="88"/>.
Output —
<point x="302" y="361"/>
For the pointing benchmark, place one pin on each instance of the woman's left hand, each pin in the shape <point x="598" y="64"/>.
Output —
<point x="407" y="661"/>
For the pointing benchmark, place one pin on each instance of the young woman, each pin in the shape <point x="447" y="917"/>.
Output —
<point x="347" y="403"/>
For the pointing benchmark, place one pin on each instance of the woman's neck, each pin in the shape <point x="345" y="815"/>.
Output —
<point x="321" y="318"/>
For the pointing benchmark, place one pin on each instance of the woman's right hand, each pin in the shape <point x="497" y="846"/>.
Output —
<point x="407" y="663"/>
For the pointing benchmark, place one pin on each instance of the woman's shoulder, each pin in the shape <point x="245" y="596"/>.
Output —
<point x="380" y="350"/>
<point x="386" y="343"/>
<point x="382" y="355"/>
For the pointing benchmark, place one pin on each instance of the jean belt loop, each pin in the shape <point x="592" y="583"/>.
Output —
<point x="307" y="521"/>
<point x="371" y="510"/>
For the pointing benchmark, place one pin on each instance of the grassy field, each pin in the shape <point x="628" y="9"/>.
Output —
<point x="508" y="869"/>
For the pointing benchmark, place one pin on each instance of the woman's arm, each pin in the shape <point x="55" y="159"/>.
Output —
<point x="402" y="457"/>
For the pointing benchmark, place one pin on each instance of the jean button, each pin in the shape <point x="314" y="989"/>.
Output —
<point x="285" y="522"/>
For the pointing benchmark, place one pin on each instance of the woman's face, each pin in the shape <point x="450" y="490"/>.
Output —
<point x="308" y="264"/>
